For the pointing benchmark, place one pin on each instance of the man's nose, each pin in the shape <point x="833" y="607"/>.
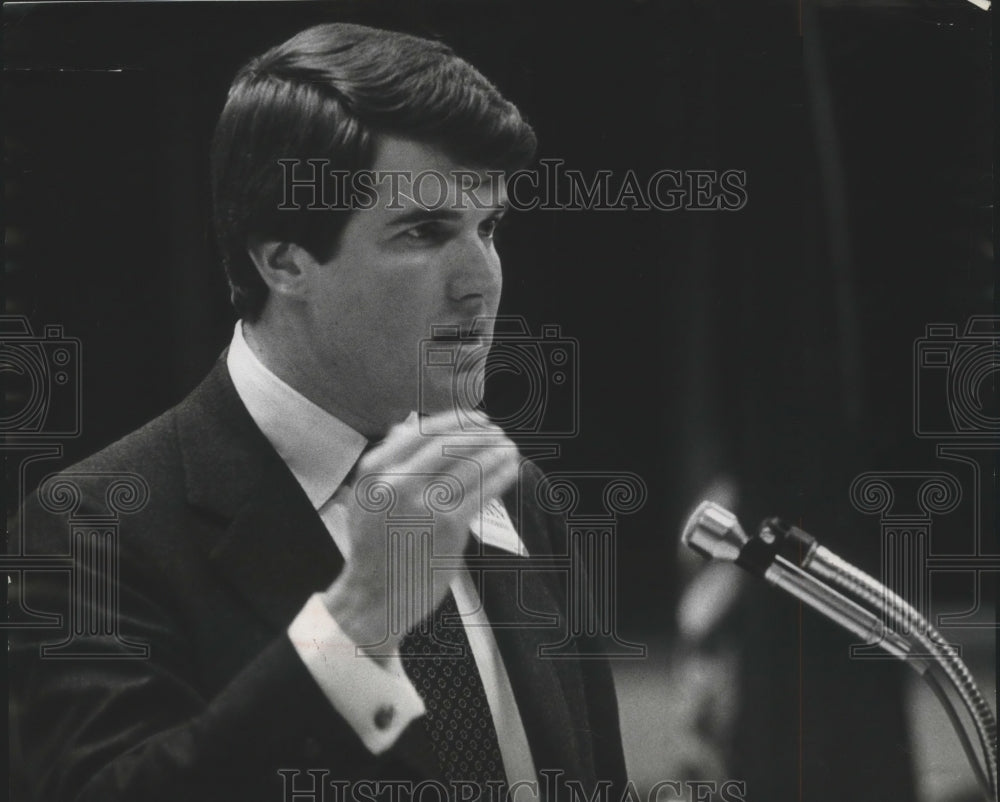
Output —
<point x="475" y="271"/>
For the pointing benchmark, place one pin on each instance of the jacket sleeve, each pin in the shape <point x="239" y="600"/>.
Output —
<point x="99" y="722"/>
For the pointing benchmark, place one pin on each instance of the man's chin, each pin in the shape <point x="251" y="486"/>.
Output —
<point x="465" y="407"/>
<point x="460" y="392"/>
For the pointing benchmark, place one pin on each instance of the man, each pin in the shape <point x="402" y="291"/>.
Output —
<point x="275" y="626"/>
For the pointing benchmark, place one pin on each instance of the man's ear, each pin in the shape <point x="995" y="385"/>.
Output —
<point x="282" y="265"/>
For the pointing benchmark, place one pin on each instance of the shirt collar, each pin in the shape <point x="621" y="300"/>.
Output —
<point x="317" y="447"/>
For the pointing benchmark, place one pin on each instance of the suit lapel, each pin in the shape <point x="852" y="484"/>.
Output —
<point x="276" y="551"/>
<point x="272" y="547"/>
<point x="521" y="608"/>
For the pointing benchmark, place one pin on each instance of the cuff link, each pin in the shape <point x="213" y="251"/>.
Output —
<point x="384" y="716"/>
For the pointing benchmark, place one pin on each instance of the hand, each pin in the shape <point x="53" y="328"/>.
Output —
<point x="409" y="462"/>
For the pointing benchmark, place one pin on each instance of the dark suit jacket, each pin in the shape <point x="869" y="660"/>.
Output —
<point x="211" y="571"/>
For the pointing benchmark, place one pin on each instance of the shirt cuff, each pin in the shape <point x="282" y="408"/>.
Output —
<point x="379" y="702"/>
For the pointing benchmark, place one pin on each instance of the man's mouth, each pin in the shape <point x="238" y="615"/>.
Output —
<point x="456" y="333"/>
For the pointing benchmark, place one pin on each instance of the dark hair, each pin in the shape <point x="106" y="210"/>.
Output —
<point x="325" y="94"/>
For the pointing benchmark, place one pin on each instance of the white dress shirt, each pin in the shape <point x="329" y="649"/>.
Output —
<point x="378" y="701"/>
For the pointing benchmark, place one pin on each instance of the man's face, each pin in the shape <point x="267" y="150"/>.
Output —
<point x="414" y="261"/>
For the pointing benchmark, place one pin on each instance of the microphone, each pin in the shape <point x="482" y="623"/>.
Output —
<point x="791" y="559"/>
<point x="715" y="533"/>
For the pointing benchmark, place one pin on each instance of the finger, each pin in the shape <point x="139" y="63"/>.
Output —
<point x="407" y="438"/>
<point x="469" y="482"/>
<point x="500" y="478"/>
<point x="489" y="477"/>
<point x="466" y="464"/>
<point x="471" y="424"/>
<point x="399" y="444"/>
<point x="406" y="448"/>
<point x="494" y="486"/>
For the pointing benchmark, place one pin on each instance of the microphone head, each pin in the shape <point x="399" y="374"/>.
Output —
<point x="714" y="532"/>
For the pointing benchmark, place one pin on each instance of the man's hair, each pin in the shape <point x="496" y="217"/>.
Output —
<point x="327" y="93"/>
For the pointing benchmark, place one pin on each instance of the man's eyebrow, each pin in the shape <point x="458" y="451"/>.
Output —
<point x="423" y="214"/>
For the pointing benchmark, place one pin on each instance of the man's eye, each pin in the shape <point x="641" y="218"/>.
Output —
<point x="426" y="231"/>
<point x="490" y="228"/>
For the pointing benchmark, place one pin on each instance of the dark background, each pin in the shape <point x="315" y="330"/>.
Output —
<point x="771" y="346"/>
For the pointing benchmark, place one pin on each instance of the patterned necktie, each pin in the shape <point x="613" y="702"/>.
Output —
<point x="438" y="659"/>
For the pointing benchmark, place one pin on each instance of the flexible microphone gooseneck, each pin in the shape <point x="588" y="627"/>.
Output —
<point x="792" y="559"/>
